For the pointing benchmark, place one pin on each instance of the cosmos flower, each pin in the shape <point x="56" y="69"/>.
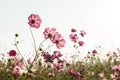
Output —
<point x="12" y="53"/>
<point x="58" y="40"/>
<point x="34" y="20"/>
<point x="82" y="33"/>
<point x="81" y="43"/>
<point x="73" y="37"/>
<point x="49" y="32"/>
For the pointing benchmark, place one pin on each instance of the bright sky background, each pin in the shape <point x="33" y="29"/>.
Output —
<point x="99" y="18"/>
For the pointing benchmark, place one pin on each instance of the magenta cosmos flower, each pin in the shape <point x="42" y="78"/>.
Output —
<point x="94" y="51"/>
<point x="58" y="40"/>
<point x="34" y="20"/>
<point x="71" y="71"/>
<point x="49" y="32"/>
<point x="81" y="43"/>
<point x="73" y="30"/>
<point x="12" y="53"/>
<point x="73" y="37"/>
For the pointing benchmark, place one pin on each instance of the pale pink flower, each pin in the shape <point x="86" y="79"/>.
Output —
<point x="34" y="20"/>
<point x="57" y="54"/>
<point x="115" y="67"/>
<point x="19" y="62"/>
<point x="81" y="43"/>
<point x="16" y="71"/>
<point x="82" y="33"/>
<point x="58" y="65"/>
<point x="51" y="74"/>
<point x="101" y="74"/>
<point x="73" y="37"/>
<point x="12" y="53"/>
<point x="58" y="40"/>
<point x="73" y="30"/>
<point x="49" y="32"/>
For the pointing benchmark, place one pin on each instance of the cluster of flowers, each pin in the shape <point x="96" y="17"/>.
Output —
<point x="73" y="72"/>
<point x="20" y="66"/>
<point x="49" y="33"/>
<point x="74" y="36"/>
<point x="50" y="58"/>
<point x="115" y="75"/>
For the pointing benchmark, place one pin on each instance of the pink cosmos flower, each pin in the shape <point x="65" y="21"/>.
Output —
<point x="101" y="74"/>
<point x="16" y="71"/>
<point x="71" y="71"/>
<point x="81" y="43"/>
<point x="58" y="65"/>
<point x="58" y="40"/>
<point x="34" y="20"/>
<point x="116" y="67"/>
<point x="51" y="74"/>
<point x="82" y="33"/>
<point x="12" y="53"/>
<point x="94" y="51"/>
<point x="78" y="73"/>
<point x="19" y="62"/>
<point x="49" y="32"/>
<point x="57" y="54"/>
<point x="73" y="30"/>
<point x="73" y="37"/>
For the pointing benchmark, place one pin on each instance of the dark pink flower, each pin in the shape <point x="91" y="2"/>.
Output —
<point x="82" y="33"/>
<point x="78" y="73"/>
<point x="73" y="37"/>
<point x="58" y="40"/>
<point x="81" y="43"/>
<point x="71" y="71"/>
<point x="94" y="51"/>
<point x="31" y="75"/>
<point x="47" y="57"/>
<point x="49" y="32"/>
<point x="12" y="53"/>
<point x="73" y="30"/>
<point x="34" y="20"/>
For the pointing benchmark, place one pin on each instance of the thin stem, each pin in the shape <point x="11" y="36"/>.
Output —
<point x="41" y="44"/>
<point x="34" y="45"/>
<point x="33" y="40"/>
<point x="25" y="64"/>
<point x="48" y="47"/>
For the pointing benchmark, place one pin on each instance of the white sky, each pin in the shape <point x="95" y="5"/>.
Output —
<point x="99" y="18"/>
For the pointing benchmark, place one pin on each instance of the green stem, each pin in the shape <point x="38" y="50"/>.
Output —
<point x="25" y="64"/>
<point x="34" y="45"/>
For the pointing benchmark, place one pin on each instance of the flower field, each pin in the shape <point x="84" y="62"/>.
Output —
<point x="45" y="65"/>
